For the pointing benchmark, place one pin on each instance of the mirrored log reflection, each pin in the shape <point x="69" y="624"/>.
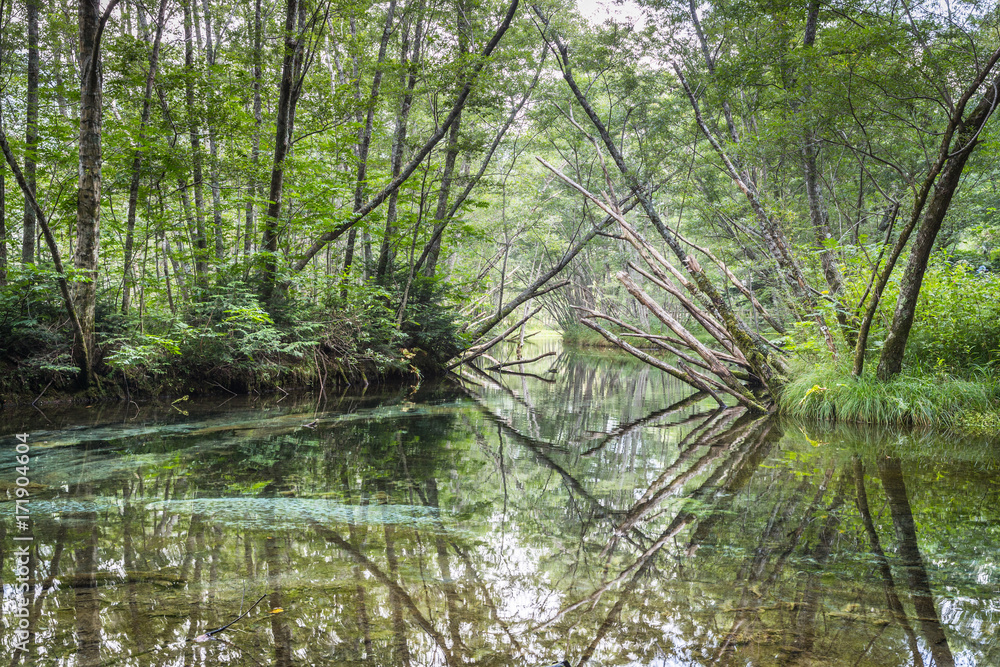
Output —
<point x="604" y="516"/>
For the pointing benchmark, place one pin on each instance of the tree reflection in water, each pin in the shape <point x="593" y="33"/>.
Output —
<point x="603" y="515"/>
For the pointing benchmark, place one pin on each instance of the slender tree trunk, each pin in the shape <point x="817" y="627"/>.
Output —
<point x="64" y="288"/>
<point x="422" y="153"/>
<point x="3" y="223"/>
<point x="213" y="167"/>
<point x="255" y="150"/>
<point x="3" y="191"/>
<point x="31" y="133"/>
<point x="472" y="181"/>
<point x="410" y="62"/>
<point x="57" y="69"/>
<point x="817" y="210"/>
<point x="451" y="155"/>
<point x="133" y="192"/>
<point x="269" y="240"/>
<point x="194" y="132"/>
<point x="441" y="212"/>
<point x="365" y="140"/>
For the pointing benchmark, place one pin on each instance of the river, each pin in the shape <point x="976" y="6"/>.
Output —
<point x="588" y="509"/>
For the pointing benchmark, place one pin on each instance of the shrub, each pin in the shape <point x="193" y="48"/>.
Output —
<point x="957" y="322"/>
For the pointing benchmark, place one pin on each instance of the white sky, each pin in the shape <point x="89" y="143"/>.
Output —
<point x="598" y="11"/>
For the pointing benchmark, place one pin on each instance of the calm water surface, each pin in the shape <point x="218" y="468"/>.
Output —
<point x="590" y="511"/>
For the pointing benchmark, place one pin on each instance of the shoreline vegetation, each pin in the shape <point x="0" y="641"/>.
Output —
<point x="936" y="399"/>
<point x="825" y="393"/>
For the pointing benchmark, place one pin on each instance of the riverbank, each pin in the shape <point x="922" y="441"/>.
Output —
<point x="832" y="394"/>
<point x="159" y="368"/>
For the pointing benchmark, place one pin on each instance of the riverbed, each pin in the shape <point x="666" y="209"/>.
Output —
<point x="587" y="508"/>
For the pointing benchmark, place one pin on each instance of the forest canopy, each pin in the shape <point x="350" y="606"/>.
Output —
<point x="739" y="192"/>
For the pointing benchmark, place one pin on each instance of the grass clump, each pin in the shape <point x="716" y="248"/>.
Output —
<point x="831" y="393"/>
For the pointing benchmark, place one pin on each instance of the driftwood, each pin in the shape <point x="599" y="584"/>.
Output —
<point x="499" y="366"/>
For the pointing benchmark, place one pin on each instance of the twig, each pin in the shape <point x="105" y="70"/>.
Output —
<point x="223" y="387"/>
<point x="43" y="392"/>
<point x="530" y="375"/>
<point x="497" y="367"/>
<point x="209" y="635"/>
<point x="533" y="333"/>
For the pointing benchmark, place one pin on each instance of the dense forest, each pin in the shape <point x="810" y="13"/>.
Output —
<point x="777" y="203"/>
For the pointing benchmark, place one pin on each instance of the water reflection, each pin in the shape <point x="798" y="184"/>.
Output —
<point x="600" y="513"/>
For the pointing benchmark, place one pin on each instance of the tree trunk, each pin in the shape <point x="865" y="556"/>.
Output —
<point x="829" y="259"/>
<point x="133" y="192"/>
<point x="213" y="166"/>
<point x="50" y="240"/>
<point x="269" y="239"/>
<point x="57" y="70"/>
<point x="451" y="155"/>
<point x="255" y="150"/>
<point x="890" y="470"/>
<point x="3" y="224"/>
<point x="194" y="132"/>
<point x="31" y="134"/>
<point x="365" y="138"/>
<point x="765" y="366"/>
<point x="415" y="161"/>
<point x="88" y="203"/>
<point x="441" y="212"/>
<point x="411" y="62"/>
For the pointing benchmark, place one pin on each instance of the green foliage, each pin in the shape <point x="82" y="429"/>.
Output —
<point x="28" y="312"/>
<point x="580" y="336"/>
<point x="140" y="354"/>
<point x="956" y="327"/>
<point x="957" y="323"/>
<point x="430" y="324"/>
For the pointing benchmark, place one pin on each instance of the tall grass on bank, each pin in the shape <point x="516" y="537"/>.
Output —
<point x="578" y="335"/>
<point x="833" y="394"/>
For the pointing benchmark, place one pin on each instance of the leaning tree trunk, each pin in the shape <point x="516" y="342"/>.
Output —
<point x="768" y="369"/>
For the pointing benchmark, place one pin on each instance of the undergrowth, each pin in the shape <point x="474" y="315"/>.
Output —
<point x="831" y="393"/>
<point x="224" y="338"/>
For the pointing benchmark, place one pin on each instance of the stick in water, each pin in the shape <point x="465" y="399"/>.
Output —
<point x="210" y="634"/>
